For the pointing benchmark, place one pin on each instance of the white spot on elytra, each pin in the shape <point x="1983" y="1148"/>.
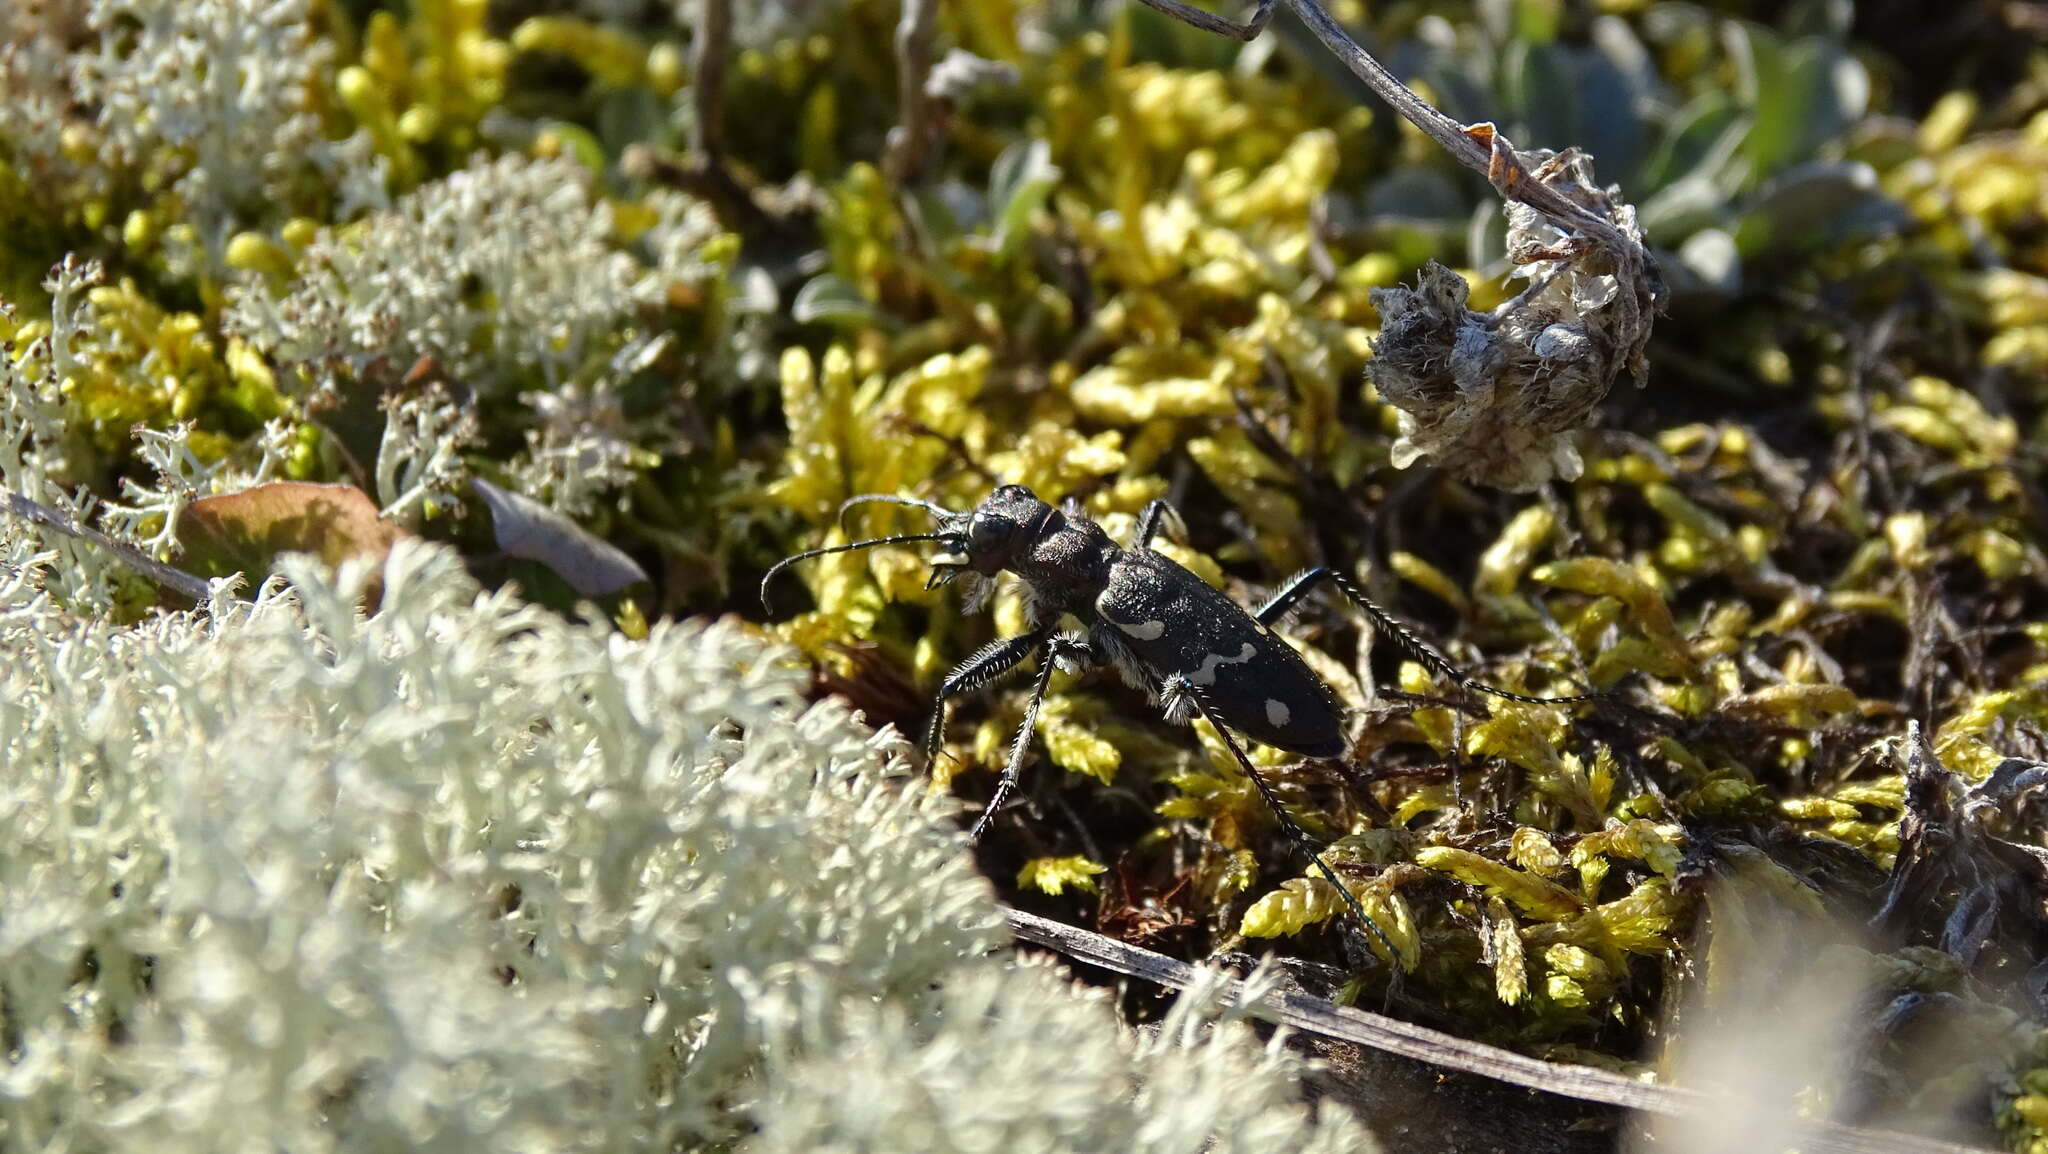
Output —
<point x="1277" y="713"/>
<point x="1206" y="675"/>
<point x="1142" y="630"/>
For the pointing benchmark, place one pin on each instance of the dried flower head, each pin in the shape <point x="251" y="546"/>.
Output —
<point x="1494" y="397"/>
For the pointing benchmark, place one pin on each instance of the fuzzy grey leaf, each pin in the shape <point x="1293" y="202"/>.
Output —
<point x="828" y="298"/>
<point x="1022" y="177"/>
<point x="527" y="529"/>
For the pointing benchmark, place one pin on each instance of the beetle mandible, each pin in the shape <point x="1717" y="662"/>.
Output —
<point x="1170" y="634"/>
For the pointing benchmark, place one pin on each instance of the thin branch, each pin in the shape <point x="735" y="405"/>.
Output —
<point x="704" y="171"/>
<point x="195" y="589"/>
<point x="711" y="52"/>
<point x="1448" y="1051"/>
<point x="911" y="138"/>
<point x="1210" y="22"/>
<point x="1478" y="147"/>
<point x="706" y="177"/>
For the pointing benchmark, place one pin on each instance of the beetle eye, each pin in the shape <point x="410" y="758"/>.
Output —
<point x="986" y="532"/>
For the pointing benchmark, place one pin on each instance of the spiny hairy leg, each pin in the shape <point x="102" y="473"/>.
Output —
<point x="1383" y="621"/>
<point x="1007" y="784"/>
<point x="1181" y="687"/>
<point x="985" y="665"/>
<point x="1157" y="514"/>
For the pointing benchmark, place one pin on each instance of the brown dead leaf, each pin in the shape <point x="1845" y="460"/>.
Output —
<point x="245" y="532"/>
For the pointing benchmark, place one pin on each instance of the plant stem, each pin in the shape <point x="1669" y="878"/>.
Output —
<point x="1478" y="147"/>
<point x="909" y="140"/>
<point x="712" y="51"/>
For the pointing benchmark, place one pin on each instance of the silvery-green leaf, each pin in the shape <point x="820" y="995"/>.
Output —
<point x="630" y="116"/>
<point x="1542" y="89"/>
<point x="1805" y="203"/>
<point x="1486" y="237"/>
<point x="1698" y="141"/>
<point x="827" y="298"/>
<point x="1022" y="177"/>
<point x="1609" y="118"/>
<point x="1710" y="254"/>
<point x="1681" y="208"/>
<point x="1414" y="193"/>
<point x="529" y="530"/>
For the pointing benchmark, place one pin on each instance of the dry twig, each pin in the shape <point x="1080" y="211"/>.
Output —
<point x="1448" y="1051"/>
<point x="911" y="138"/>
<point x="1495" y="397"/>
<point x="709" y="54"/>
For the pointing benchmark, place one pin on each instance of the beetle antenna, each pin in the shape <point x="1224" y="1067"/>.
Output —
<point x="807" y="554"/>
<point x="1300" y="836"/>
<point x="933" y="508"/>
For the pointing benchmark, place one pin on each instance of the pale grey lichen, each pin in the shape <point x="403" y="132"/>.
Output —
<point x="216" y="101"/>
<point x="947" y="1081"/>
<point x="36" y="38"/>
<point x="1496" y="397"/>
<point x="37" y="450"/>
<point x="581" y="447"/>
<point x="465" y="875"/>
<point x="148" y="514"/>
<point x="502" y="271"/>
<point x="419" y="457"/>
<point x="510" y="274"/>
<point x="40" y="454"/>
<point x="217" y="90"/>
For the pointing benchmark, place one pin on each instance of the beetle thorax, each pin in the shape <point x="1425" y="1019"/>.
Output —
<point x="1066" y="563"/>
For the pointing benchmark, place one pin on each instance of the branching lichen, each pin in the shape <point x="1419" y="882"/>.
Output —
<point x="465" y="851"/>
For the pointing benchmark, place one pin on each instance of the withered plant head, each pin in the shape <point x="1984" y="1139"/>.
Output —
<point x="1494" y="397"/>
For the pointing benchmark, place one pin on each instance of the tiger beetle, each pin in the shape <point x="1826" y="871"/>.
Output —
<point x="1168" y="632"/>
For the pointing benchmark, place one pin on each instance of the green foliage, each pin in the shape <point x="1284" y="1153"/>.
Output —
<point x="1054" y="875"/>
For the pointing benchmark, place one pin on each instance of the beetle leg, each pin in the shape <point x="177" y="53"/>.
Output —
<point x="1072" y="652"/>
<point x="1296" y="588"/>
<point x="1383" y="621"/>
<point x="985" y="665"/>
<point x="1156" y="512"/>
<point x="1182" y="688"/>
<point x="1007" y="784"/>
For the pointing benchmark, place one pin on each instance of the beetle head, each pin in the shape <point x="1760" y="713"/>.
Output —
<point x="992" y="534"/>
<point x="977" y="544"/>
